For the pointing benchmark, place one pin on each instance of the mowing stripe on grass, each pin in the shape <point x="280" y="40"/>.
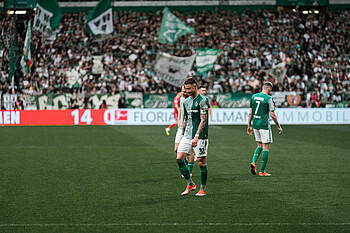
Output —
<point x="176" y="224"/>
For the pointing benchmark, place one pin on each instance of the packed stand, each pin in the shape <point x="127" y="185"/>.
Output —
<point x="316" y="49"/>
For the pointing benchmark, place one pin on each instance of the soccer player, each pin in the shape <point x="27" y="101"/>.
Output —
<point x="203" y="91"/>
<point x="176" y="111"/>
<point x="194" y="135"/>
<point x="261" y="105"/>
<point x="190" y="162"/>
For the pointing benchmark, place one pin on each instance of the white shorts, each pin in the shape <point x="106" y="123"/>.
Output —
<point x="178" y="135"/>
<point x="185" y="145"/>
<point x="263" y="135"/>
<point x="201" y="150"/>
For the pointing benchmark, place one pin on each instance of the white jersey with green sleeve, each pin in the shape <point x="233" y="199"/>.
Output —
<point x="182" y="111"/>
<point x="261" y="104"/>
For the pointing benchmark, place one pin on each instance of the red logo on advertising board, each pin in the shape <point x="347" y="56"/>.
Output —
<point x="121" y="115"/>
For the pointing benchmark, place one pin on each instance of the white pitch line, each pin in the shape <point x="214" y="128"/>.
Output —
<point x="171" y="224"/>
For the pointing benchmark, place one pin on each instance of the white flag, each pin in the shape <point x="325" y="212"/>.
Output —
<point x="173" y="70"/>
<point x="97" y="67"/>
<point x="100" y="20"/>
<point x="47" y="18"/>
<point x="278" y="71"/>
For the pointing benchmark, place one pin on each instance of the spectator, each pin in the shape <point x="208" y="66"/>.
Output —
<point x="103" y="105"/>
<point x="214" y="103"/>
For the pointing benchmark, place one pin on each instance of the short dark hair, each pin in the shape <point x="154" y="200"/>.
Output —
<point x="202" y="86"/>
<point x="191" y="81"/>
<point x="268" y="84"/>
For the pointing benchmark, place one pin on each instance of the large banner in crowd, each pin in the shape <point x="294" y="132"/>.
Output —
<point x="286" y="99"/>
<point x="158" y="101"/>
<point x="165" y="116"/>
<point x="68" y="101"/>
<point x="173" y="70"/>
<point x="229" y="100"/>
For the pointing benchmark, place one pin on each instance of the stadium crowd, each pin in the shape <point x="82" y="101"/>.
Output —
<point x="315" y="47"/>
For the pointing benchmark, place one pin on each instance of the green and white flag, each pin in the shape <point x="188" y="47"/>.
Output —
<point x="26" y="61"/>
<point x="278" y="71"/>
<point x="47" y="18"/>
<point x="100" y="20"/>
<point x="205" y="59"/>
<point x="173" y="70"/>
<point x="172" y="28"/>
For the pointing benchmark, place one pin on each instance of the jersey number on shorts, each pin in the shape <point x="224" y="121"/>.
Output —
<point x="202" y="150"/>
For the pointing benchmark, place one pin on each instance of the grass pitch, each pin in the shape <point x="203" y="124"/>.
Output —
<point x="125" y="179"/>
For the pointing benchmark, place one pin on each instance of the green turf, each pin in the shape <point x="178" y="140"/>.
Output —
<point x="125" y="179"/>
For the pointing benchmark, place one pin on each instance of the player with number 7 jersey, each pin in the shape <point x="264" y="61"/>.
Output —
<point x="261" y="106"/>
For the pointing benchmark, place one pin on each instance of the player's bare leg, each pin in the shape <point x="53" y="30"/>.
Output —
<point x="202" y="162"/>
<point x="176" y="146"/>
<point x="255" y="158"/>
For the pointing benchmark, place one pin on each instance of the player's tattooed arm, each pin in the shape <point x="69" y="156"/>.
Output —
<point x="202" y="124"/>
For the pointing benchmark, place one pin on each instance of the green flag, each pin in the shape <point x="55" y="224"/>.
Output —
<point x="47" y="18"/>
<point x="12" y="63"/>
<point x="26" y="61"/>
<point x="172" y="28"/>
<point x="205" y="59"/>
<point x="100" y="20"/>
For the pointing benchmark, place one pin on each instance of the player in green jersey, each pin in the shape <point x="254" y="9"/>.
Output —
<point x="203" y="91"/>
<point x="194" y="135"/>
<point x="261" y="105"/>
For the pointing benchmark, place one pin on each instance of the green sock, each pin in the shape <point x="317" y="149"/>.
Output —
<point x="264" y="158"/>
<point x="257" y="154"/>
<point x="183" y="169"/>
<point x="186" y="162"/>
<point x="203" y="175"/>
<point x="190" y="167"/>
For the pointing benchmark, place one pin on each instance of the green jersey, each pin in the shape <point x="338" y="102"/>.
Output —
<point x="208" y="101"/>
<point x="182" y="99"/>
<point x="261" y="105"/>
<point x="194" y="108"/>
